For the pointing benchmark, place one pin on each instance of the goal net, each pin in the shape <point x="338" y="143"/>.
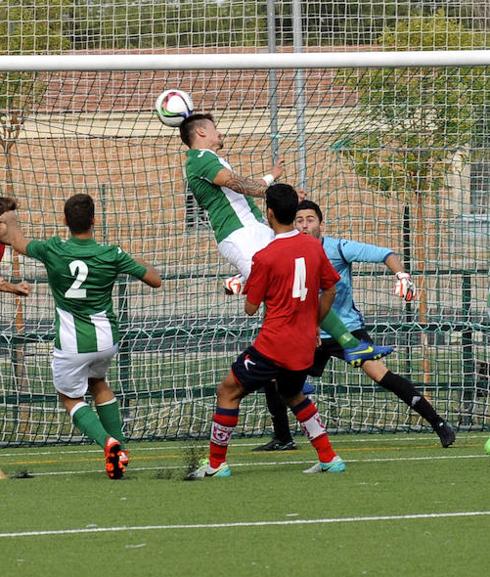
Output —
<point x="394" y="148"/>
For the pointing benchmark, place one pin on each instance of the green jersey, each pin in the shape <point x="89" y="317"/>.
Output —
<point x="81" y="274"/>
<point x="227" y="210"/>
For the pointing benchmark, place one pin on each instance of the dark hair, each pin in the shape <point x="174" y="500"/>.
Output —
<point x="310" y="205"/>
<point x="7" y="203"/>
<point x="188" y="125"/>
<point x="282" y="199"/>
<point x="79" y="213"/>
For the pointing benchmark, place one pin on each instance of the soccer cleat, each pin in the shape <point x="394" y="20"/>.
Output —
<point x="124" y="457"/>
<point x="445" y="433"/>
<point x="205" y="470"/>
<point x="487" y="447"/>
<point x="336" y="465"/>
<point x="277" y="445"/>
<point x="115" y="459"/>
<point x="233" y="285"/>
<point x="308" y="388"/>
<point x="365" y="351"/>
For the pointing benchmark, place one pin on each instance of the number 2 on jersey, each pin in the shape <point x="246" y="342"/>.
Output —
<point x="299" y="284"/>
<point x="79" y="270"/>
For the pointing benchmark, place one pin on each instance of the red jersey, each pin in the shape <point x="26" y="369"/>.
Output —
<point x="2" y="250"/>
<point x="287" y="276"/>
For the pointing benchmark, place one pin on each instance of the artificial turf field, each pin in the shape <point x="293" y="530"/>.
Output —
<point x="405" y="507"/>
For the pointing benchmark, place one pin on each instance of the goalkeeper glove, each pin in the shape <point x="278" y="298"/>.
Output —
<point x="404" y="286"/>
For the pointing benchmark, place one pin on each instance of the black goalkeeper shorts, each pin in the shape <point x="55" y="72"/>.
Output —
<point x="331" y="348"/>
<point x="254" y="371"/>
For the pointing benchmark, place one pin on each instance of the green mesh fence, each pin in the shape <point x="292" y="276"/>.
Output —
<point x="398" y="158"/>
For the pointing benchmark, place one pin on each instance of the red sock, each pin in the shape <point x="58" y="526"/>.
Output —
<point x="323" y="448"/>
<point x="224" y="422"/>
<point x="217" y="454"/>
<point x="309" y="419"/>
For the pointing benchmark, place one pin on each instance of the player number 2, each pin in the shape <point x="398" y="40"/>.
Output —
<point x="80" y="270"/>
<point x="299" y="284"/>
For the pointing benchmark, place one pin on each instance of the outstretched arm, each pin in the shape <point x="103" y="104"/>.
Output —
<point x="11" y="233"/>
<point x="404" y="286"/>
<point x="21" y="289"/>
<point x="152" y="276"/>
<point x="394" y="263"/>
<point x="249" y="186"/>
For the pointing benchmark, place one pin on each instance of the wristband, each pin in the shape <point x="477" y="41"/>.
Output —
<point x="268" y="179"/>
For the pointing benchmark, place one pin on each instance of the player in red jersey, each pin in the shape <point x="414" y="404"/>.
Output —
<point x="287" y="276"/>
<point x="22" y="288"/>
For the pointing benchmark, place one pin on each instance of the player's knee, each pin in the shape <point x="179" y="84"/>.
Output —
<point x="229" y="390"/>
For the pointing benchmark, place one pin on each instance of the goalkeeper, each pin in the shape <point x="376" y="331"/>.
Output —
<point x="237" y="222"/>
<point x="342" y="253"/>
<point x="20" y="289"/>
<point x="81" y="274"/>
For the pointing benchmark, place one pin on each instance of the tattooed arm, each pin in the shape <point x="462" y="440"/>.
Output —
<point x="245" y="185"/>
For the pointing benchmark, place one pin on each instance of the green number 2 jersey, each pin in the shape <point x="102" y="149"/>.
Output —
<point x="227" y="210"/>
<point x="81" y="274"/>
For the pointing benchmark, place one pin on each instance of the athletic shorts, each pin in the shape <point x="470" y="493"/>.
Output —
<point x="239" y="247"/>
<point x="71" y="371"/>
<point x="331" y="348"/>
<point x="254" y="371"/>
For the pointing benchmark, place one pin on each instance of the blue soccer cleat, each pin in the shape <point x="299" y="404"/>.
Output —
<point x="336" y="465"/>
<point x="365" y="351"/>
<point x="308" y="388"/>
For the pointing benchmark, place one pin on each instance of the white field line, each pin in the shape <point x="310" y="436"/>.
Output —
<point x="328" y="520"/>
<point x="267" y="464"/>
<point x="170" y="446"/>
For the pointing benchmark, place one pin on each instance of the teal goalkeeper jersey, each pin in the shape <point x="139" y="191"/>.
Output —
<point x="227" y="210"/>
<point x="81" y="274"/>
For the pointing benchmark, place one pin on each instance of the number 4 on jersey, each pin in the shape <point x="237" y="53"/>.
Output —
<point x="299" y="284"/>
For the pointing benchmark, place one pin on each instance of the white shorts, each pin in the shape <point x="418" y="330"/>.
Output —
<point x="239" y="248"/>
<point x="71" y="371"/>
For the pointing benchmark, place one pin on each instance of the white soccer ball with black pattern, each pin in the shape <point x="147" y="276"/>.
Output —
<point x="173" y="105"/>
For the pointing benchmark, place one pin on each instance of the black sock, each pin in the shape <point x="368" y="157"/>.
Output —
<point x="405" y="391"/>
<point x="279" y="413"/>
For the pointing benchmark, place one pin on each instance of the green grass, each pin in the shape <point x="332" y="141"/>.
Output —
<point x="388" y="475"/>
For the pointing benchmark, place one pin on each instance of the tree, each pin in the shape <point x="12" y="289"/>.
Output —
<point x="415" y="122"/>
<point x="123" y="24"/>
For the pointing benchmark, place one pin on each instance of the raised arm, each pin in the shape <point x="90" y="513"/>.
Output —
<point x="246" y="185"/>
<point x="11" y="233"/>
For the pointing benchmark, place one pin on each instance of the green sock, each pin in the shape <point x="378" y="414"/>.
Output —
<point x="86" y="421"/>
<point x="110" y="417"/>
<point x="335" y="327"/>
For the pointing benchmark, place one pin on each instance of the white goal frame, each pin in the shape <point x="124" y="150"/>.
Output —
<point x="379" y="59"/>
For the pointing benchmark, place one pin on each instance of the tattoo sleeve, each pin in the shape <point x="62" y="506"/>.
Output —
<point x="245" y="185"/>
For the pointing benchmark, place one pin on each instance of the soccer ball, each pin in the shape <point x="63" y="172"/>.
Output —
<point x="173" y="105"/>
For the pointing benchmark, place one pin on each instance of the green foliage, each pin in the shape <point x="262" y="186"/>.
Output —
<point x="417" y="119"/>
<point x="187" y="23"/>
<point x="26" y="27"/>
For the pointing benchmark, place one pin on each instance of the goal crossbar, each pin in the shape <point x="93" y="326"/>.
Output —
<point x="371" y="59"/>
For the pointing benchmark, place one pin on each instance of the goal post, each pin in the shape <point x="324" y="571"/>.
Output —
<point x="395" y="153"/>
